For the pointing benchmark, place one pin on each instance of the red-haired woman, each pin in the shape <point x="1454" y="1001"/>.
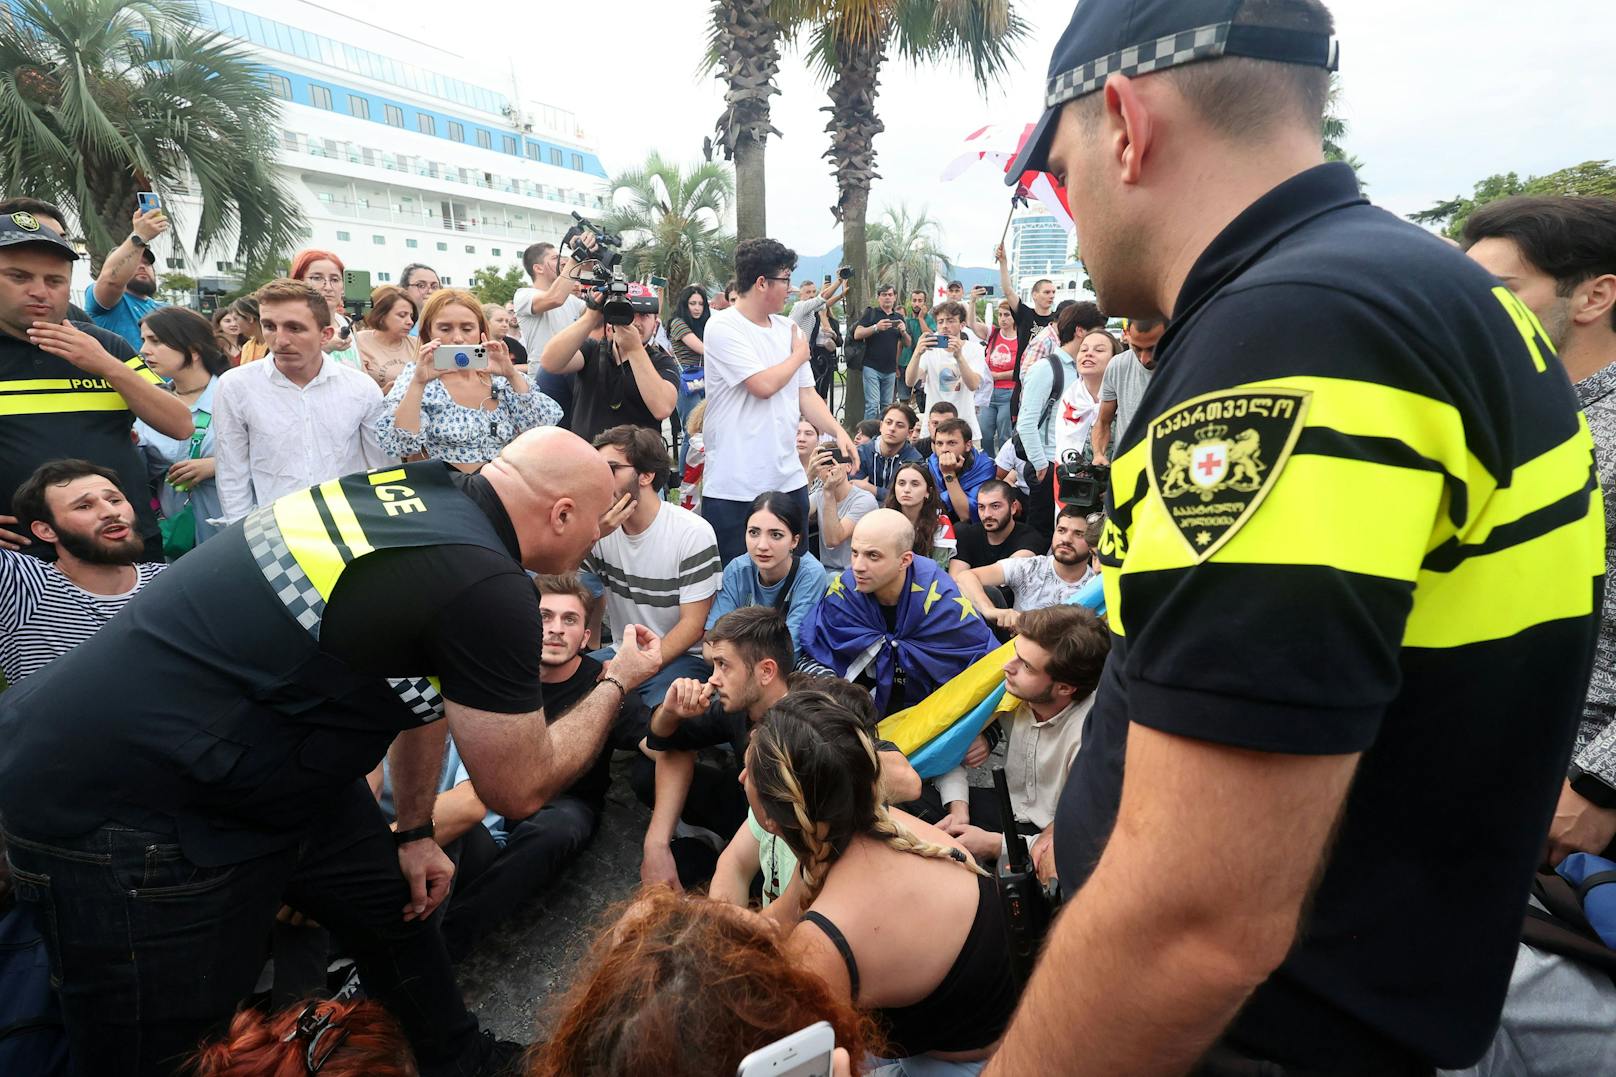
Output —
<point x="323" y="270"/>
<point x="332" y="1039"/>
<point x="686" y="987"/>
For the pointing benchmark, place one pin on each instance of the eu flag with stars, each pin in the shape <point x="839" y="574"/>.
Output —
<point x="938" y="632"/>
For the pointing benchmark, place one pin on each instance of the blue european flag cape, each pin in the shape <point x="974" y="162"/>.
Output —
<point x="938" y="634"/>
<point x="978" y="469"/>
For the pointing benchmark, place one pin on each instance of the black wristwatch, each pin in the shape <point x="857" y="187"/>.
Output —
<point x="404" y="837"/>
<point x="138" y="240"/>
<point x="1592" y="789"/>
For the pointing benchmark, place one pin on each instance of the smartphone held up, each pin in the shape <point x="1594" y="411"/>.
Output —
<point x="807" y="1053"/>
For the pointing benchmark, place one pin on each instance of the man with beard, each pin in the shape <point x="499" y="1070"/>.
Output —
<point x="998" y="534"/>
<point x="46" y="610"/>
<point x="122" y="294"/>
<point x="1038" y="582"/>
<point x="67" y="390"/>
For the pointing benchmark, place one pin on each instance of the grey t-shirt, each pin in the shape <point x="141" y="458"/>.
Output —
<point x="537" y="329"/>
<point x="805" y="313"/>
<point x="853" y="508"/>
<point x="1125" y="381"/>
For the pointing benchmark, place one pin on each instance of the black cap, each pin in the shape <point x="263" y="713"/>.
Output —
<point x="1141" y="37"/>
<point x="21" y="228"/>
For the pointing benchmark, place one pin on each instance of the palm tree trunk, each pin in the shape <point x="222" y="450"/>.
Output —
<point x="856" y="254"/>
<point x="750" y="200"/>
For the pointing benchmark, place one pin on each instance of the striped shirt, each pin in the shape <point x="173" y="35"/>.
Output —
<point x="43" y="614"/>
<point x="649" y="576"/>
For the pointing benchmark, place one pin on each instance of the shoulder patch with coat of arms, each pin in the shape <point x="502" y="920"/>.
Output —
<point x="1215" y="457"/>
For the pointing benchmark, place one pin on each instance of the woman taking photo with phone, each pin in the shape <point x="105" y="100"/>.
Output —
<point x="891" y="911"/>
<point x="460" y="416"/>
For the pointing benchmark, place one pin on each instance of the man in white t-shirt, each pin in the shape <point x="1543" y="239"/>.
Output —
<point x="542" y="311"/>
<point x="949" y="364"/>
<point x="660" y="567"/>
<point x="759" y="385"/>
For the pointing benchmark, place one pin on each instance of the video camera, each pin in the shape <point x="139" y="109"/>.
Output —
<point x="1082" y="485"/>
<point x="600" y="269"/>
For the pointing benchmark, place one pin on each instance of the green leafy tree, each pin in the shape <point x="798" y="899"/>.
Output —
<point x="1589" y="178"/>
<point x="673" y="221"/>
<point x="259" y="271"/>
<point x="743" y="48"/>
<point x="849" y="41"/>
<point x="494" y="285"/>
<point x="1335" y="132"/>
<point x="179" y="287"/>
<point x="905" y="249"/>
<point x="100" y="99"/>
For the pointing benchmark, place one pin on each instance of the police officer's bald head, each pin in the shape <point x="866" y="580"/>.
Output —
<point x="555" y="488"/>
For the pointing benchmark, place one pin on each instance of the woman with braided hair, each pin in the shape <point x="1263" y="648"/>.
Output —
<point x="895" y="915"/>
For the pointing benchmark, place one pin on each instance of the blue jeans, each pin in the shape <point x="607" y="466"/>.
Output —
<point x="685" y="404"/>
<point x="994" y="418"/>
<point x="152" y="951"/>
<point x="652" y="691"/>
<point x="877" y="392"/>
<point x="729" y="521"/>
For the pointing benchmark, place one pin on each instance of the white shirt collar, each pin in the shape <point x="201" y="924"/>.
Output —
<point x="328" y="370"/>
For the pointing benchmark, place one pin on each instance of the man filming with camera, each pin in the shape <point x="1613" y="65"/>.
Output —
<point x="623" y="377"/>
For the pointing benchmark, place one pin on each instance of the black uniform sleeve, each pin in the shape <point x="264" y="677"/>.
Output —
<point x="486" y="645"/>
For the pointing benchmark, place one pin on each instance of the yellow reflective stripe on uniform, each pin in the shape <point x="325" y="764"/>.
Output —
<point x="376" y="478"/>
<point x="305" y="535"/>
<point x="60" y="403"/>
<point x="342" y="513"/>
<point x="138" y="365"/>
<point x="1543" y="480"/>
<point x="35" y="384"/>
<point x="1483" y="598"/>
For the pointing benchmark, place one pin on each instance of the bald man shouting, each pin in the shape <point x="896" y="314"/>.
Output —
<point x="893" y="622"/>
<point x="166" y="786"/>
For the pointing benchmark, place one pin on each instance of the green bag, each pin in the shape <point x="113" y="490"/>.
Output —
<point x="179" y="530"/>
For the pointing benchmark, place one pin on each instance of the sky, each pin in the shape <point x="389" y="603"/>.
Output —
<point x="1438" y="94"/>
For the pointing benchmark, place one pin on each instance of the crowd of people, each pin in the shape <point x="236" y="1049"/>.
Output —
<point x="386" y="626"/>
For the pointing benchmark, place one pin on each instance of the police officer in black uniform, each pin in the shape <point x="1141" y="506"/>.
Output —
<point x="167" y="785"/>
<point x="1351" y="561"/>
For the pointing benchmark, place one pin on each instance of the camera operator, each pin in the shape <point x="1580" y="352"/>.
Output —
<point x="883" y="329"/>
<point x="621" y="378"/>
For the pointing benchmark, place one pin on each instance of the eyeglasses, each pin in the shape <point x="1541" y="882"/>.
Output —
<point x="619" y="467"/>
<point x="315" y="1026"/>
<point x="780" y="280"/>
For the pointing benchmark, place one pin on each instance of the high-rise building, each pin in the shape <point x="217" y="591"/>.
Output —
<point x="395" y="160"/>
<point x="1038" y="244"/>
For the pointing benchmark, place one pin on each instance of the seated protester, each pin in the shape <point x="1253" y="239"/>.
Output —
<point x="501" y="862"/>
<point x="751" y="654"/>
<point x="694" y="451"/>
<point x="937" y="414"/>
<point x="998" y="535"/>
<point x="880" y="457"/>
<point x="347" y="1038"/>
<point x="958" y="469"/>
<point x="895" y="916"/>
<point x="914" y="493"/>
<point x="950" y="366"/>
<point x="1046" y="580"/>
<point x="685" y="987"/>
<point x="866" y="432"/>
<point x="838" y="505"/>
<point x="48" y="608"/>
<point x="1011" y="467"/>
<point x="893" y="623"/>
<point x="1059" y="654"/>
<point x="659" y="568"/>
<point x="774" y="571"/>
<point x="181" y="346"/>
<point x="460" y="416"/>
<point x="755" y="855"/>
<point x="623" y="377"/>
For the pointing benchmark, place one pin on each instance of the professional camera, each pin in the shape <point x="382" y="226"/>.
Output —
<point x="600" y="269"/>
<point x="846" y="273"/>
<point x="1082" y="485"/>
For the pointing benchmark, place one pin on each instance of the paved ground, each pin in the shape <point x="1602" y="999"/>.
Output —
<point x="510" y="978"/>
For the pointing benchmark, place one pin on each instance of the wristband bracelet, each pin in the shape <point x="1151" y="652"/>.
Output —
<point x="615" y="683"/>
<point x="418" y="833"/>
<point x="1592" y="789"/>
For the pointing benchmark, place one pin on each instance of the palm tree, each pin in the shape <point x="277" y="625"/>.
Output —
<point x="904" y="249"/>
<point x="1335" y="132"/>
<point x="100" y="99"/>
<point x="743" y="46"/>
<point x="672" y="221"/>
<point x="848" y="45"/>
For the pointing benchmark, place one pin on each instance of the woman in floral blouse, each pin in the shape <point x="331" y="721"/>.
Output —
<point x="462" y="417"/>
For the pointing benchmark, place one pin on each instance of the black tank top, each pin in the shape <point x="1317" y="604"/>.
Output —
<point x="970" y="1008"/>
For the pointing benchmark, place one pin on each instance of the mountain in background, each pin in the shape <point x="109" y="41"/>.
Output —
<point x="815" y="268"/>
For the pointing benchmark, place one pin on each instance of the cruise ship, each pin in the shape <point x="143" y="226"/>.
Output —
<point x="394" y="162"/>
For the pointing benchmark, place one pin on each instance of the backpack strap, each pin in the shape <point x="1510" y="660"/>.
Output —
<point x="1561" y="928"/>
<point x="1057" y="386"/>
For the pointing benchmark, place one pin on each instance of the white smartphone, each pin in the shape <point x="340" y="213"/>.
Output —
<point x="808" y="1053"/>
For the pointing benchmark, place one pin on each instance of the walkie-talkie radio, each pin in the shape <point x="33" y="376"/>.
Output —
<point x="1026" y="907"/>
